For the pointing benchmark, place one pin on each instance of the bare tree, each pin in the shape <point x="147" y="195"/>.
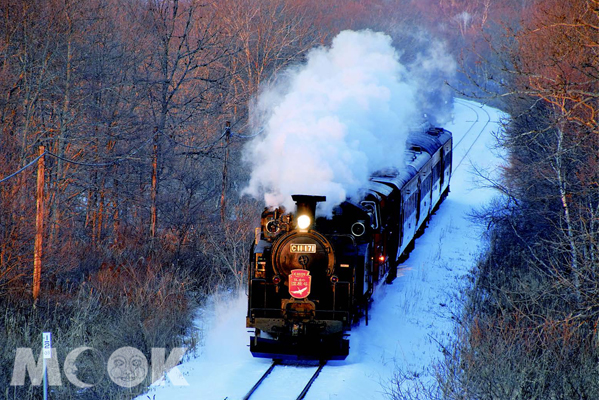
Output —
<point x="529" y="326"/>
<point x="184" y="54"/>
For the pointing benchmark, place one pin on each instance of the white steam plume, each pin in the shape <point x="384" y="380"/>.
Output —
<point x="329" y="124"/>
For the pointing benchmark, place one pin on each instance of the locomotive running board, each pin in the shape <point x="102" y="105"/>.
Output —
<point x="309" y="350"/>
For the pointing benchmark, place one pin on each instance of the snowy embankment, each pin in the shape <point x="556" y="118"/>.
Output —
<point x="407" y="318"/>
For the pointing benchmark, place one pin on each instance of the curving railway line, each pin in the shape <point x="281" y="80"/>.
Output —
<point x="269" y="382"/>
<point x="482" y="116"/>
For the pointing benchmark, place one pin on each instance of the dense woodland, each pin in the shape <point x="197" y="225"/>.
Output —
<point x="126" y="106"/>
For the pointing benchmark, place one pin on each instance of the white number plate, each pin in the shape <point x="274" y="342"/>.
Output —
<point x="303" y="248"/>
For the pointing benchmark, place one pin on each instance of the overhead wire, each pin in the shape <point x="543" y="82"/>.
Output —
<point x="118" y="160"/>
<point x="83" y="163"/>
<point x="242" y="136"/>
<point x="121" y="158"/>
<point x="208" y="146"/>
<point x="247" y="136"/>
<point x="24" y="168"/>
<point x="126" y="156"/>
<point x="211" y="145"/>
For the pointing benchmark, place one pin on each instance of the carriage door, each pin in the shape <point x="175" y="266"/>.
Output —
<point x="418" y="200"/>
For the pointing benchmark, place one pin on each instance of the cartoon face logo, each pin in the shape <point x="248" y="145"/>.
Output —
<point x="127" y="367"/>
<point x="86" y="363"/>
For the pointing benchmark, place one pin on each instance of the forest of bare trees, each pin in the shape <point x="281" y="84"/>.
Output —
<point x="528" y="328"/>
<point x="138" y="111"/>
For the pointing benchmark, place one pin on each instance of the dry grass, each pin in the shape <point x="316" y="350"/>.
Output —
<point x="135" y="306"/>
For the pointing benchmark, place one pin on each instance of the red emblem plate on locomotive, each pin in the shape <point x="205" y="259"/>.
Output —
<point x="299" y="283"/>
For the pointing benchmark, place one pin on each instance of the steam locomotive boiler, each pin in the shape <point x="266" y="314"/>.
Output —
<point x="311" y="278"/>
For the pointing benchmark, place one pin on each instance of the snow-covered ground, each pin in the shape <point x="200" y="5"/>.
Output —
<point x="407" y="318"/>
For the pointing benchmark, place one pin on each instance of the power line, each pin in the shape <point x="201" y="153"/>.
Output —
<point x="120" y="159"/>
<point x="242" y="136"/>
<point x="83" y="163"/>
<point x="24" y="168"/>
<point x="126" y="156"/>
<point x="247" y="136"/>
<point x="211" y="145"/>
<point x="208" y="146"/>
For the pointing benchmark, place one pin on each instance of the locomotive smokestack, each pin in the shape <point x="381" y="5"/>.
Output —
<point x="306" y="206"/>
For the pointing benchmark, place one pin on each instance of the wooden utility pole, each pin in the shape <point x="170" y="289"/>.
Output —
<point x="39" y="226"/>
<point x="154" y="188"/>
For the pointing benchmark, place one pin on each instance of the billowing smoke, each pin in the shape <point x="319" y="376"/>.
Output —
<point x="329" y="124"/>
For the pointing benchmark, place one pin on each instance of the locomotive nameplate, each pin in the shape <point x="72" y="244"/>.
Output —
<point x="303" y="248"/>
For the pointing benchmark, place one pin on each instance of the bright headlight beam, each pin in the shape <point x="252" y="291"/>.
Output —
<point x="303" y="221"/>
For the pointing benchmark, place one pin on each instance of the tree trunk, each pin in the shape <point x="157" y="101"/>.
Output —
<point x="224" y="184"/>
<point x="61" y="141"/>
<point x="558" y="168"/>
<point x="154" y="190"/>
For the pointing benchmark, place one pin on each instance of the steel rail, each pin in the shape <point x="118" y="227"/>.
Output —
<point x="312" y="379"/>
<point x="489" y="119"/>
<point x="262" y="378"/>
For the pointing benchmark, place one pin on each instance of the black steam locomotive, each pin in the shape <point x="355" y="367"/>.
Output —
<point x="310" y="279"/>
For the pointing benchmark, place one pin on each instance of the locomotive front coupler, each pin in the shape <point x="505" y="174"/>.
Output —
<point x="298" y="310"/>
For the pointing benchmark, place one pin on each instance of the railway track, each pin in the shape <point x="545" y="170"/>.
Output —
<point x="267" y="386"/>
<point x="477" y="121"/>
<point x="278" y="363"/>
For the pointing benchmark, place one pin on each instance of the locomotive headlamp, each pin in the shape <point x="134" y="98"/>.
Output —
<point x="305" y="209"/>
<point x="303" y="221"/>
